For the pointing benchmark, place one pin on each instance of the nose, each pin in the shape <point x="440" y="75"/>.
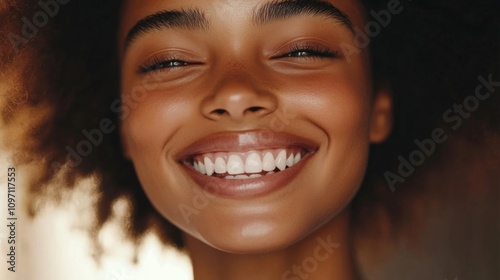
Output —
<point x="238" y="99"/>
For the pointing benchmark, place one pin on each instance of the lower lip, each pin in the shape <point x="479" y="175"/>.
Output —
<point x="246" y="188"/>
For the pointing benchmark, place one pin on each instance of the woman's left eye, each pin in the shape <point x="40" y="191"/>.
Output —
<point x="310" y="53"/>
<point x="159" y="65"/>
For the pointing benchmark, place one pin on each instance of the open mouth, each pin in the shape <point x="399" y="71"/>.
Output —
<point x="246" y="165"/>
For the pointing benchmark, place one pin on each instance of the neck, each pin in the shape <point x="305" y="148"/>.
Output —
<point x="324" y="254"/>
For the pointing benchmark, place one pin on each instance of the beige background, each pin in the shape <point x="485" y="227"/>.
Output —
<point x="54" y="245"/>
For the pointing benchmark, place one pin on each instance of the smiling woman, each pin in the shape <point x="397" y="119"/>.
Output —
<point x="255" y="135"/>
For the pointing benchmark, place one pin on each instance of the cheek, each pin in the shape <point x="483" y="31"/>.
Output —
<point x="338" y="103"/>
<point x="339" y="106"/>
<point x="146" y="131"/>
<point x="151" y="123"/>
<point x="345" y="118"/>
<point x="346" y="112"/>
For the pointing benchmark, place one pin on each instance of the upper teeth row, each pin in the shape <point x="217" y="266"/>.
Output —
<point x="254" y="163"/>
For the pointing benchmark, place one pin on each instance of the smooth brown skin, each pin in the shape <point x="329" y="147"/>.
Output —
<point x="328" y="100"/>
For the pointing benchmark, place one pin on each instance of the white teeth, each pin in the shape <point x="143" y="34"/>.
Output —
<point x="268" y="162"/>
<point x="235" y="165"/>
<point x="298" y="158"/>
<point x="209" y="166"/>
<point x="242" y="177"/>
<point x="196" y="167"/>
<point x="201" y="166"/>
<point x="290" y="161"/>
<point x="280" y="160"/>
<point x="249" y="165"/>
<point x="220" y="166"/>
<point x="253" y="163"/>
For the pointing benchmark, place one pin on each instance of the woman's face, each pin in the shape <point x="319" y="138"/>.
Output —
<point x="247" y="125"/>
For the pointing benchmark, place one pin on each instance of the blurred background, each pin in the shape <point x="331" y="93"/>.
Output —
<point x="55" y="244"/>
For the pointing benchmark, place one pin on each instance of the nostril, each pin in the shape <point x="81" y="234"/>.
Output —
<point x="219" y="112"/>
<point x="254" y="109"/>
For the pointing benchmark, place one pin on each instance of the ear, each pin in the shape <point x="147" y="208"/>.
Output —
<point x="381" y="118"/>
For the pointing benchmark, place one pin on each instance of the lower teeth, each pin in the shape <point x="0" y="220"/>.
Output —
<point x="242" y="177"/>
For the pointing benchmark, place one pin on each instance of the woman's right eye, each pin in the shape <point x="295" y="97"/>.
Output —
<point x="159" y="65"/>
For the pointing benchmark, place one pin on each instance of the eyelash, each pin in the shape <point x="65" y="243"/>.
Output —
<point x="162" y="64"/>
<point x="309" y="51"/>
<point x="299" y="52"/>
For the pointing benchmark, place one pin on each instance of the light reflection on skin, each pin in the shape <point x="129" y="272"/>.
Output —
<point x="256" y="229"/>
<point x="231" y="68"/>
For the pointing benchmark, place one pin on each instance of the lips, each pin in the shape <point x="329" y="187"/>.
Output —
<point x="241" y="165"/>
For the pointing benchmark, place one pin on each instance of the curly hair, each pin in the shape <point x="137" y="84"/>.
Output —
<point x="60" y="75"/>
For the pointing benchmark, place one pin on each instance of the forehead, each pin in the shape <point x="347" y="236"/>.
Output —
<point x="229" y="11"/>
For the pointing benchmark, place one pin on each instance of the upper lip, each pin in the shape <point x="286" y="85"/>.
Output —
<point x="244" y="142"/>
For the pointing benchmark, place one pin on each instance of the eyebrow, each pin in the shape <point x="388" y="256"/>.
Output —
<point x="194" y="19"/>
<point x="188" y="19"/>
<point x="284" y="9"/>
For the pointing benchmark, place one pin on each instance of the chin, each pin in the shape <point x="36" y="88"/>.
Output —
<point x="259" y="239"/>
